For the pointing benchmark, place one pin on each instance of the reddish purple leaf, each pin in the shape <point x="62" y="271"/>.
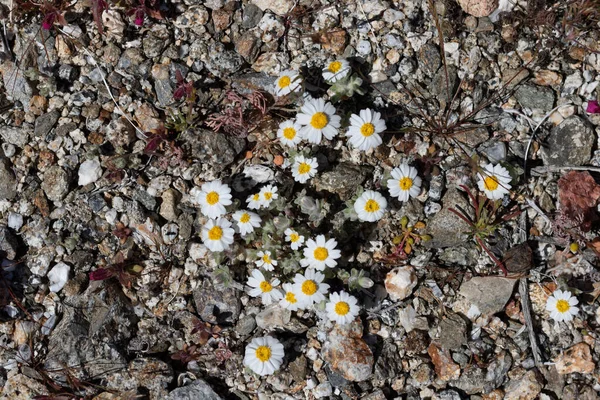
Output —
<point x="98" y="7"/>
<point x="101" y="274"/>
<point x="593" y="107"/>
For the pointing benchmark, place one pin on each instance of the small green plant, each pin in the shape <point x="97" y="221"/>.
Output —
<point x="356" y="279"/>
<point x="487" y="219"/>
<point x="346" y="88"/>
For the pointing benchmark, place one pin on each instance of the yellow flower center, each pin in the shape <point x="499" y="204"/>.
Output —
<point x="212" y="198"/>
<point x="266" y="259"/>
<point x="319" y="120"/>
<point x="263" y="353"/>
<point x="574" y="247"/>
<point x="490" y="183"/>
<point x="367" y="129"/>
<point x="405" y="183"/>
<point x="371" y="206"/>
<point x="268" y="195"/>
<point x="245" y="218"/>
<point x="321" y="253"/>
<point x="256" y="197"/>
<point x="342" y="308"/>
<point x="284" y="82"/>
<point x="294" y="237"/>
<point x="291" y="297"/>
<point x="303" y="168"/>
<point x="563" y="306"/>
<point x="265" y="287"/>
<point x="215" y="233"/>
<point x="289" y="133"/>
<point x="335" y="67"/>
<point x="309" y="287"/>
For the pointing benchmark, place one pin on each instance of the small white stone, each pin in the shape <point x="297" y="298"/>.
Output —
<point x="89" y="172"/>
<point x="400" y="282"/>
<point x="364" y="47"/>
<point x="58" y="276"/>
<point x="15" y="221"/>
<point x="323" y="390"/>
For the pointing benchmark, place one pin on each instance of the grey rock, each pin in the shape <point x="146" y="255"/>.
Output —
<point x="473" y="137"/>
<point x="8" y="243"/>
<point x="67" y="72"/>
<point x="488" y="293"/>
<point x="245" y="325"/>
<point x="17" y="86"/>
<point x="8" y="182"/>
<point x="55" y="183"/>
<point x="222" y="62"/>
<point x="429" y="58"/>
<point x="447" y="395"/>
<point x="535" y="97"/>
<point x="298" y="369"/>
<point x="444" y="89"/>
<point x="216" y="306"/>
<point x="523" y="385"/>
<point x="251" y="16"/>
<point x="273" y="317"/>
<point x="45" y="123"/>
<point x="436" y="187"/>
<point x="471" y="380"/>
<point x="343" y="180"/>
<point x="495" y="152"/>
<point x="148" y="201"/>
<point x="130" y="60"/>
<point x="250" y="82"/>
<point x="497" y="370"/>
<point x="446" y="228"/>
<point x="197" y="390"/>
<point x="569" y="143"/>
<point x="453" y="332"/>
<point x="389" y="362"/>
<point x="96" y="202"/>
<point x="15" y="135"/>
<point x="215" y="149"/>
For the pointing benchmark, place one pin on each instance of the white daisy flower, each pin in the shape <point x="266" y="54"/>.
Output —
<point x="213" y="197"/>
<point x="320" y="254"/>
<point x="288" y="133"/>
<point x="304" y="168"/>
<point x="310" y="287"/>
<point x="288" y="82"/>
<point x="318" y="119"/>
<point x="264" y="355"/>
<point x="370" y="206"/>
<point x="254" y="201"/>
<point x="265" y="261"/>
<point x="258" y="285"/>
<point x="267" y="195"/>
<point x="246" y="221"/>
<point x="296" y="240"/>
<point x="342" y="308"/>
<point x="561" y="306"/>
<point x="290" y="300"/>
<point x="494" y="181"/>
<point x="404" y="183"/>
<point x="365" y="128"/>
<point x="336" y="70"/>
<point x="217" y="234"/>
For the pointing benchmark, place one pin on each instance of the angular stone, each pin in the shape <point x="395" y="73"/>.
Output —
<point x="446" y="228"/>
<point x="445" y="368"/>
<point x="8" y="243"/>
<point x="347" y="352"/>
<point x="523" y="385"/>
<point x="488" y="293"/>
<point x="400" y="282"/>
<point x="8" y="182"/>
<point x="453" y="332"/>
<point x="478" y="8"/>
<point x="576" y="359"/>
<point x="198" y="389"/>
<point x="217" y="306"/>
<point x="55" y="183"/>
<point x="273" y="317"/>
<point x="212" y="148"/>
<point x="45" y="123"/>
<point x="343" y="180"/>
<point x="569" y="143"/>
<point x="279" y="7"/>
<point x="535" y="97"/>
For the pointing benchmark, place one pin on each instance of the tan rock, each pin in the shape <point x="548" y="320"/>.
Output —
<point x="445" y="368"/>
<point x="347" y="353"/>
<point x="547" y="78"/>
<point x="576" y="359"/>
<point x="221" y="19"/>
<point x="478" y="8"/>
<point x="334" y="41"/>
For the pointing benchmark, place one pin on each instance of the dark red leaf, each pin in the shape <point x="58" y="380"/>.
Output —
<point x="593" y="107"/>
<point x="101" y="274"/>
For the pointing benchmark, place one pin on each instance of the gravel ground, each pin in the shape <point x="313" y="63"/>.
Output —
<point x="277" y="199"/>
